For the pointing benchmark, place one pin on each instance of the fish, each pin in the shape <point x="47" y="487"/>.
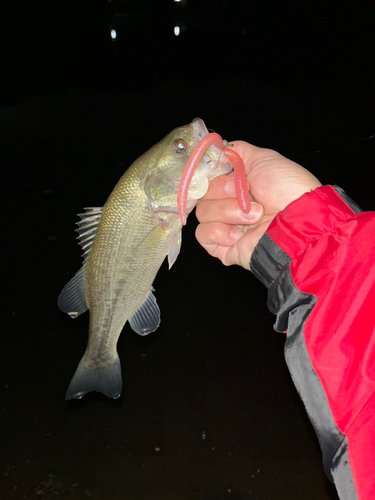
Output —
<point x="125" y="243"/>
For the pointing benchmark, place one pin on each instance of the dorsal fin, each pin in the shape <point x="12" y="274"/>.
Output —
<point x="87" y="227"/>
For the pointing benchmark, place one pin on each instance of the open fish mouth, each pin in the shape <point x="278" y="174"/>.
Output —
<point x="218" y="164"/>
<point x="212" y="164"/>
<point x="199" y="128"/>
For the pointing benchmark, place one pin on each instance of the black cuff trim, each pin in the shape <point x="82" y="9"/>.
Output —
<point x="352" y="204"/>
<point x="267" y="260"/>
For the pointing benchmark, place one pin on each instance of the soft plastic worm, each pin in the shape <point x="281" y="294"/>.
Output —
<point x="240" y="183"/>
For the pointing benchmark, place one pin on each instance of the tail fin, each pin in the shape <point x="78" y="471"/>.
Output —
<point x="100" y="377"/>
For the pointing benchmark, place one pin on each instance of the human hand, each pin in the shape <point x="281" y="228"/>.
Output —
<point x="274" y="182"/>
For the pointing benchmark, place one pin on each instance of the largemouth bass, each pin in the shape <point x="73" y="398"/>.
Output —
<point x="124" y="244"/>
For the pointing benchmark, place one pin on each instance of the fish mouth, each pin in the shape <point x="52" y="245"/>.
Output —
<point x="213" y="164"/>
<point x="216" y="162"/>
<point x="199" y="128"/>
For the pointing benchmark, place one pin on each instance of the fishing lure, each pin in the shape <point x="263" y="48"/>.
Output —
<point x="234" y="158"/>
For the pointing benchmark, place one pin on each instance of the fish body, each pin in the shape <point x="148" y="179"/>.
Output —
<point x="124" y="245"/>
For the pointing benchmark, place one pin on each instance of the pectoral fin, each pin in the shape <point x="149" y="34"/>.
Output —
<point x="146" y="318"/>
<point x="175" y="249"/>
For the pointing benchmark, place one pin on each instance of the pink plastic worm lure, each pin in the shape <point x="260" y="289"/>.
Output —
<point x="240" y="183"/>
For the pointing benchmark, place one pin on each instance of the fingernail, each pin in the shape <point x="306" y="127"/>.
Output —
<point x="255" y="212"/>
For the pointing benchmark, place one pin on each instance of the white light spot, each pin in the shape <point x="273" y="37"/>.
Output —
<point x="113" y="34"/>
<point x="176" y="30"/>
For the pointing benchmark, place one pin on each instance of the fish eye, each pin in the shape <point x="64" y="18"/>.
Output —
<point x="179" y="146"/>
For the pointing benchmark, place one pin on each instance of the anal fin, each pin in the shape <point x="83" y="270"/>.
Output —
<point x="146" y="318"/>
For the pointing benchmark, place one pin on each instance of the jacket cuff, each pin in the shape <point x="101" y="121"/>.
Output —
<point x="301" y="223"/>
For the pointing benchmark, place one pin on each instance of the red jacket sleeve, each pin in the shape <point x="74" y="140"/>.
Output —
<point x="317" y="260"/>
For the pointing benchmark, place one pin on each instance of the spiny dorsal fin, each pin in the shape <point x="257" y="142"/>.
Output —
<point x="72" y="297"/>
<point x="87" y="227"/>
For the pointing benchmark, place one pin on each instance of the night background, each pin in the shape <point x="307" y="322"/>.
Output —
<point x="208" y="410"/>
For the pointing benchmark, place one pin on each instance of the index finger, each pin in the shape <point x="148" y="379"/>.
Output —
<point x="248" y="152"/>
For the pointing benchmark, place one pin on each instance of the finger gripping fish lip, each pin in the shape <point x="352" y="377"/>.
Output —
<point x="208" y="140"/>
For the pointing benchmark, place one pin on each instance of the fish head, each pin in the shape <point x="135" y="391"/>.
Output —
<point x="171" y="155"/>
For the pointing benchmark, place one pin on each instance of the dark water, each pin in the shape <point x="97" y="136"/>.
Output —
<point x="208" y="410"/>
